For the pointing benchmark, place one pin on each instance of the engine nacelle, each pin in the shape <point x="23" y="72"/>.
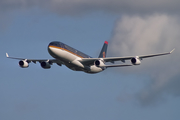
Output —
<point x="45" y="65"/>
<point x="99" y="63"/>
<point x="23" y="64"/>
<point x="136" y="61"/>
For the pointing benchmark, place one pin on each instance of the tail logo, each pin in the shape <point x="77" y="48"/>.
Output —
<point x="104" y="54"/>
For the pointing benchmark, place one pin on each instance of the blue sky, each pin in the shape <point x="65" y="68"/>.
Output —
<point x="145" y="92"/>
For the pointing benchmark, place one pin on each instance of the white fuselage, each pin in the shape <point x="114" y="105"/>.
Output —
<point x="71" y="60"/>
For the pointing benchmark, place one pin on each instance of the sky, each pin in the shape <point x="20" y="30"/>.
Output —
<point x="145" y="92"/>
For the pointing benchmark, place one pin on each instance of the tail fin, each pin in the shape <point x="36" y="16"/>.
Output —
<point x="103" y="50"/>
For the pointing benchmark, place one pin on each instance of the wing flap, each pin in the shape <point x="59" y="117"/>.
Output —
<point x="112" y="59"/>
<point x="90" y="61"/>
<point x="118" y="65"/>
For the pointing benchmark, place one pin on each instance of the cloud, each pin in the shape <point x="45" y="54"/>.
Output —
<point x="137" y="35"/>
<point x="83" y="7"/>
<point x="74" y="7"/>
<point x="144" y="27"/>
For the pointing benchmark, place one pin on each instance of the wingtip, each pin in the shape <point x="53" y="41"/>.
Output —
<point x="172" y="50"/>
<point x="7" y="55"/>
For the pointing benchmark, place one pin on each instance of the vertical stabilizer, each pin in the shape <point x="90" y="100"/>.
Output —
<point x="103" y="50"/>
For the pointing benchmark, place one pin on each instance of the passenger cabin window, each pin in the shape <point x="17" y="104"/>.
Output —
<point x="70" y="48"/>
<point x="74" y="51"/>
<point x="62" y="45"/>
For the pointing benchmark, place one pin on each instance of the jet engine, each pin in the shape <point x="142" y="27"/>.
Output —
<point x="135" y="61"/>
<point x="45" y="65"/>
<point x="23" y="64"/>
<point x="98" y="63"/>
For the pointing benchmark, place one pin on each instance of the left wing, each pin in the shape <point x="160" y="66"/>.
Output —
<point x="45" y="63"/>
<point x="90" y="61"/>
<point x="33" y="60"/>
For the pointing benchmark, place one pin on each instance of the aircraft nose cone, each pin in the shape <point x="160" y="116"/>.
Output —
<point x="50" y="49"/>
<point x="51" y="52"/>
<point x="50" y="46"/>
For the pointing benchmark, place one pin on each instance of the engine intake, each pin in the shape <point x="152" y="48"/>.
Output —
<point x="45" y="65"/>
<point x="98" y="63"/>
<point x="135" y="61"/>
<point x="23" y="64"/>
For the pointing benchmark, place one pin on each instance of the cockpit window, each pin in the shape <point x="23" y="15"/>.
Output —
<point x="58" y="44"/>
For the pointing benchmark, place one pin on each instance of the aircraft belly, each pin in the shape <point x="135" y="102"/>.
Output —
<point x="74" y="67"/>
<point x="95" y="69"/>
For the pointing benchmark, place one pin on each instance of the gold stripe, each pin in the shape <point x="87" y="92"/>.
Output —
<point x="66" y="50"/>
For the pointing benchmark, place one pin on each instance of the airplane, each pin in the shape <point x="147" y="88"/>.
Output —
<point x="76" y="60"/>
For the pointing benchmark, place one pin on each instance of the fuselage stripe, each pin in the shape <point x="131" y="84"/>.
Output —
<point x="66" y="50"/>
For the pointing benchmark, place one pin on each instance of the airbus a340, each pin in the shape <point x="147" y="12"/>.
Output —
<point x="78" y="61"/>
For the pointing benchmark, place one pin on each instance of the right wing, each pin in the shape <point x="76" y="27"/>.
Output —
<point x="111" y="59"/>
<point x="90" y="61"/>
